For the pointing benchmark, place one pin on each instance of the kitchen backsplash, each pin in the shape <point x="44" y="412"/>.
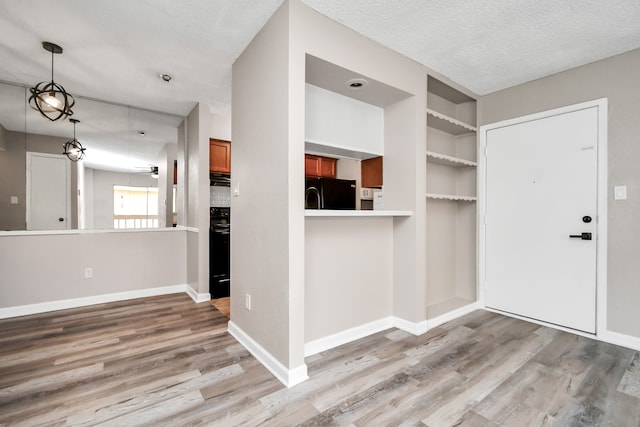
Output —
<point x="219" y="196"/>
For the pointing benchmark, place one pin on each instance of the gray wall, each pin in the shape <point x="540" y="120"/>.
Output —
<point x="36" y="268"/>
<point x="102" y="193"/>
<point x="45" y="268"/>
<point x="615" y="78"/>
<point x="268" y="222"/>
<point x="13" y="178"/>
<point x="260" y="220"/>
<point x="3" y="137"/>
<point x="13" y="181"/>
<point x="198" y="125"/>
<point x="349" y="273"/>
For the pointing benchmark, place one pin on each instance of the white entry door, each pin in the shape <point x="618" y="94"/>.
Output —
<point x="540" y="217"/>
<point x="48" y="187"/>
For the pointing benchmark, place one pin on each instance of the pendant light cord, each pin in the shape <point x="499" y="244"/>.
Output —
<point x="52" y="66"/>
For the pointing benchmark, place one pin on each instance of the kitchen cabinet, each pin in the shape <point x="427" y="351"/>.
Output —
<point x="175" y="172"/>
<point x="219" y="156"/>
<point x="371" y="173"/>
<point x="319" y="166"/>
<point x="451" y="163"/>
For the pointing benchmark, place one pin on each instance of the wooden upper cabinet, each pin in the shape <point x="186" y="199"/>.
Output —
<point x="175" y="172"/>
<point x="319" y="166"/>
<point x="219" y="156"/>
<point x="371" y="173"/>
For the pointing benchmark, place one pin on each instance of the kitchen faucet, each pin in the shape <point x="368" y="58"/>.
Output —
<point x="306" y="197"/>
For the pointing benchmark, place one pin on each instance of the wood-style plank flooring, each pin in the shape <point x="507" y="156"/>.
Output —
<point x="168" y="361"/>
<point x="223" y="304"/>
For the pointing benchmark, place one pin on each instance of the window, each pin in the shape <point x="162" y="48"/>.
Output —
<point x="135" y="207"/>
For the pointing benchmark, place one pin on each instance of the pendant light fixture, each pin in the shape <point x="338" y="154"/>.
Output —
<point x="72" y="148"/>
<point x="50" y="98"/>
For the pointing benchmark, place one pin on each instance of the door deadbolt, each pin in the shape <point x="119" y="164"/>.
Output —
<point x="586" y="219"/>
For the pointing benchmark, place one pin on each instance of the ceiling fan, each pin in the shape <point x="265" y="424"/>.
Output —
<point x="151" y="170"/>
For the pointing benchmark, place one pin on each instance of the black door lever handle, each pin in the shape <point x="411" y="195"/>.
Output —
<point x="583" y="236"/>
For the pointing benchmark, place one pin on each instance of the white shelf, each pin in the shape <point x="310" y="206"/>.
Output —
<point x="443" y="159"/>
<point x="452" y="197"/>
<point x="353" y="213"/>
<point x="447" y="124"/>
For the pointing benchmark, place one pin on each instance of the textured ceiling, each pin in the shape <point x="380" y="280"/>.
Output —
<point x="115" y="49"/>
<point x="494" y="44"/>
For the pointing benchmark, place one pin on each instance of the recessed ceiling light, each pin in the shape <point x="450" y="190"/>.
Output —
<point x="166" y="77"/>
<point x="357" y="83"/>
<point x="141" y="133"/>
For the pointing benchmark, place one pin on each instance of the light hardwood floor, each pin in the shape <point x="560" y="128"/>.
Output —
<point x="168" y="361"/>
<point x="223" y="304"/>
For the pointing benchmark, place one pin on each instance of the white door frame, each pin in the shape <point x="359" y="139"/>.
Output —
<point x="601" y="218"/>
<point x="30" y="154"/>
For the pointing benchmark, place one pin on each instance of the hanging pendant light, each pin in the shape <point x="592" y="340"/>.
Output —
<point x="50" y="98"/>
<point x="72" y="148"/>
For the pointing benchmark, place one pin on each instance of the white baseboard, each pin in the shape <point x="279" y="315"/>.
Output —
<point x="331" y="341"/>
<point x="197" y="297"/>
<point x="454" y="314"/>
<point x="413" y="328"/>
<point x="25" y="310"/>
<point x="358" y="332"/>
<point x="287" y="377"/>
<point x="420" y="328"/>
<point x="622" y="340"/>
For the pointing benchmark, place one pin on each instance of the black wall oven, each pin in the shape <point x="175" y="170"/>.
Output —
<point x="219" y="252"/>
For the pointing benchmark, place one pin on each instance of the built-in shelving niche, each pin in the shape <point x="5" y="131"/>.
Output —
<point x="451" y="156"/>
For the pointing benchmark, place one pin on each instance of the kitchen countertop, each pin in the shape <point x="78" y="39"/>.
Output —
<point x="353" y="213"/>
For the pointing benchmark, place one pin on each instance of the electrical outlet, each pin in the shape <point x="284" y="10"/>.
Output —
<point x="88" y="273"/>
<point x="247" y="302"/>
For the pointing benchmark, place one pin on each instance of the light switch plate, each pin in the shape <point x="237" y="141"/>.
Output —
<point x="14" y="200"/>
<point x="620" y="192"/>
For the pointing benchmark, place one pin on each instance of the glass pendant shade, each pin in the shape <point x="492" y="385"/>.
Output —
<point x="50" y="98"/>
